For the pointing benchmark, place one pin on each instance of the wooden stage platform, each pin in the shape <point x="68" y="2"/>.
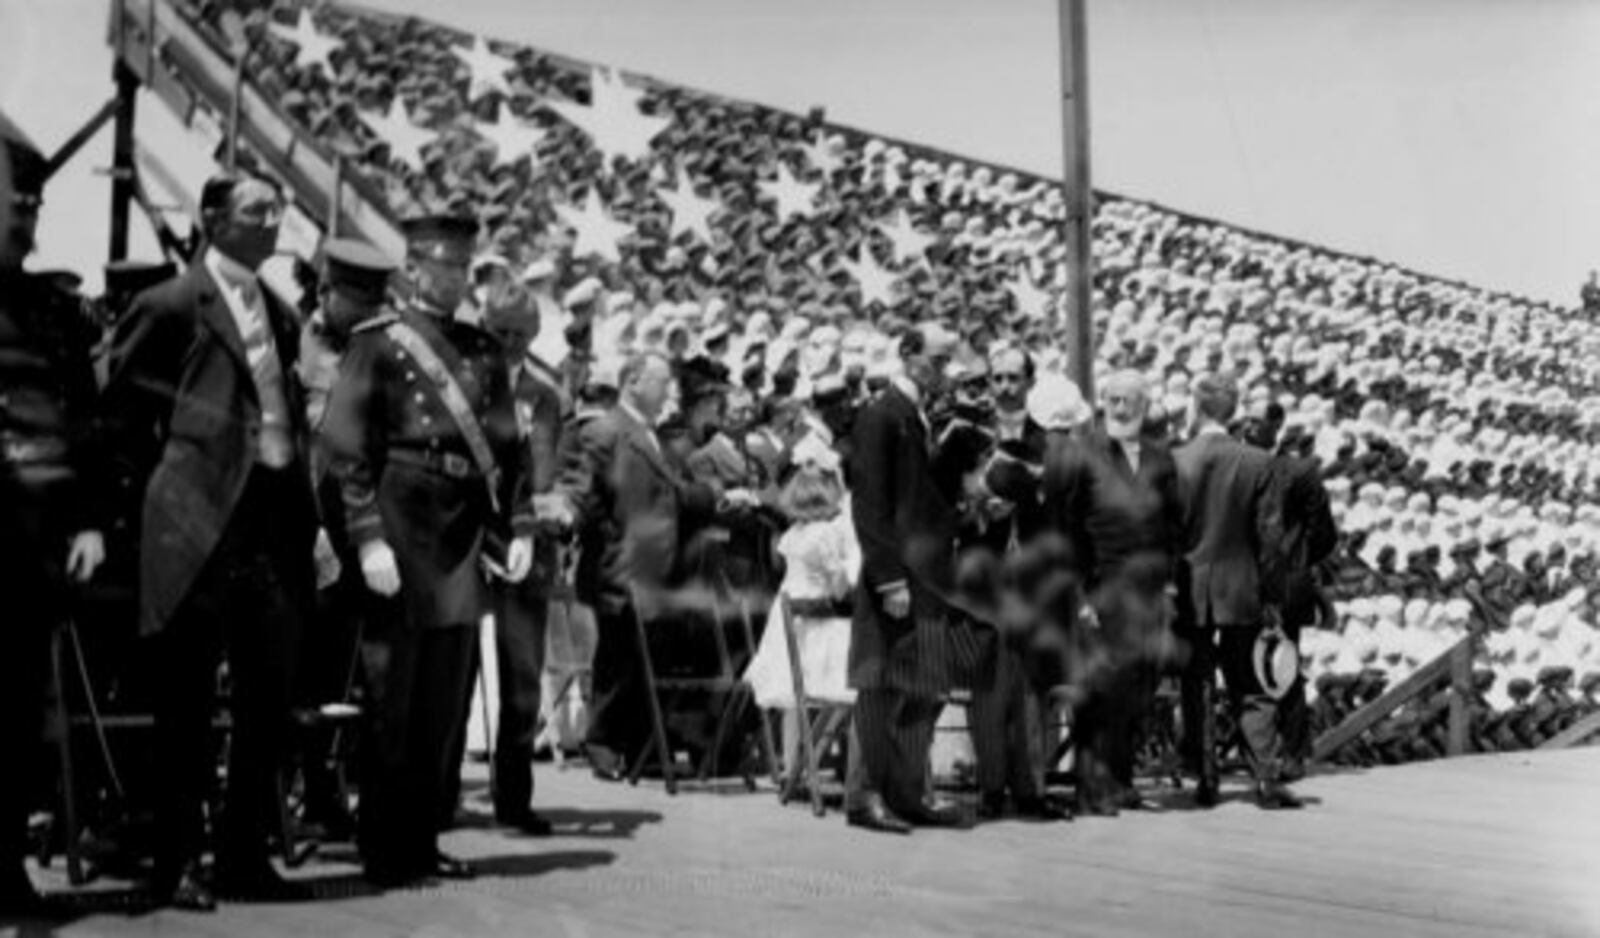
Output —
<point x="1491" y="846"/>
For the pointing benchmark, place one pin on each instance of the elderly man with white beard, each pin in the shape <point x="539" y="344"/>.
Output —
<point x="1113" y="493"/>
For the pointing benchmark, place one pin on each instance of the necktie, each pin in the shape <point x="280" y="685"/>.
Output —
<point x="275" y="449"/>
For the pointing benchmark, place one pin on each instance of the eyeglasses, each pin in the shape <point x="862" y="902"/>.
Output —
<point x="1003" y="377"/>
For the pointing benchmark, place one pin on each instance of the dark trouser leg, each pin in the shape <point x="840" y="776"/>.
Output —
<point x="23" y="669"/>
<point x="1133" y="690"/>
<point x="1000" y="736"/>
<point x="520" y="620"/>
<point x="447" y="660"/>
<point x="1197" y="693"/>
<point x="390" y="652"/>
<point x="618" y="714"/>
<point x="260" y="634"/>
<point x="1255" y="710"/>
<point x="456" y="748"/>
<point x="895" y="731"/>
<point x="188" y="652"/>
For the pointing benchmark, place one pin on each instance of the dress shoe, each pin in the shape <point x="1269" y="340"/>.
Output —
<point x="1273" y="796"/>
<point x="1206" y="795"/>
<point x="934" y="813"/>
<point x="526" y="820"/>
<point x="874" y="815"/>
<point x="607" y="764"/>
<point x="1095" y="807"/>
<point x="1040" y="808"/>
<point x="187" y="891"/>
<point x="446" y="866"/>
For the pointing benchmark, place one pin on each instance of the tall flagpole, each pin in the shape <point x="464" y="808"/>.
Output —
<point x="1078" y="197"/>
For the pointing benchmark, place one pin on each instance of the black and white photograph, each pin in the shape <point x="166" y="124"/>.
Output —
<point x="588" y="468"/>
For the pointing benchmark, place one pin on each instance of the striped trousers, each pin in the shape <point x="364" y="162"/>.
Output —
<point x="893" y="732"/>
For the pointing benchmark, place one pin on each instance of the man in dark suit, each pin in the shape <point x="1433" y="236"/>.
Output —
<point x="1231" y="534"/>
<point x="634" y="508"/>
<point x="202" y="389"/>
<point x="898" y="655"/>
<point x="51" y="495"/>
<point x="1113" y="494"/>
<point x="422" y="435"/>
<point x="1310" y="536"/>
<point x="521" y="609"/>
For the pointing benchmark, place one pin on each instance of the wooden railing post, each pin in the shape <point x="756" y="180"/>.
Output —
<point x="1460" y="694"/>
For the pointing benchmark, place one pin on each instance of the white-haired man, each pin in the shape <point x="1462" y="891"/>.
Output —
<point x="1113" y="494"/>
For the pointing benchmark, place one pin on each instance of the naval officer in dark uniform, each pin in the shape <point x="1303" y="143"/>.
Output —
<point x="48" y="523"/>
<point x="422" y="435"/>
<point x="352" y="287"/>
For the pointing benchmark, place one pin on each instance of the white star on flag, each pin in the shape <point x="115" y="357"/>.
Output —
<point x="487" y="67"/>
<point x="877" y="282"/>
<point x="311" y="46"/>
<point x="512" y="138"/>
<point x="793" y="196"/>
<point x="597" y="232"/>
<point x="819" y="153"/>
<point x="1031" y="301"/>
<point x="909" y="243"/>
<point x="613" y="121"/>
<point x="404" y="138"/>
<point x="690" y="211"/>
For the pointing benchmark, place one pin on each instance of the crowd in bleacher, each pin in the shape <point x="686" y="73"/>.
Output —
<point x="1454" y="426"/>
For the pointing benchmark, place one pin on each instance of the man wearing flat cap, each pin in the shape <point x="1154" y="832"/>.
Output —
<point x="423" y="439"/>
<point x="49" y="520"/>
<point x="203" y="401"/>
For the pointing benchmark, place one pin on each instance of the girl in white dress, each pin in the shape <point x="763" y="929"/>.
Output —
<point x="822" y="560"/>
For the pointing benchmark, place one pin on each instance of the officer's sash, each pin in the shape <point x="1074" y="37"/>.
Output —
<point x="454" y="401"/>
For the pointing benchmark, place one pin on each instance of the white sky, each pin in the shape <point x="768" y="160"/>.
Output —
<point x="1461" y="137"/>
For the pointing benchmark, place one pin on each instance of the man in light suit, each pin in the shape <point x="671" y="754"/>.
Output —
<point x="202" y="388"/>
<point x="1230" y="537"/>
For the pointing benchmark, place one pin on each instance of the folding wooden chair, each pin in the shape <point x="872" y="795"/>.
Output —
<point x="737" y="696"/>
<point x="817" y="734"/>
<point x="341" y="717"/>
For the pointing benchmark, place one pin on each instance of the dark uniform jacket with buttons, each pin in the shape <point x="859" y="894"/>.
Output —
<point x="51" y="476"/>
<point x="406" y="474"/>
<point x="181" y="403"/>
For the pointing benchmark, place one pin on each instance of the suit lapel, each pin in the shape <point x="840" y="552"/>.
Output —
<point x="217" y="315"/>
<point x="639" y="437"/>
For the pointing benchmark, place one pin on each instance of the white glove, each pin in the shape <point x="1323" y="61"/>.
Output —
<point x="87" y="552"/>
<point x="379" y="569"/>
<point x="328" y="566"/>
<point x="519" y="559"/>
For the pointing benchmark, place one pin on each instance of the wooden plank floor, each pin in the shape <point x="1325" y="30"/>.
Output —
<point x="1488" y="846"/>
